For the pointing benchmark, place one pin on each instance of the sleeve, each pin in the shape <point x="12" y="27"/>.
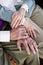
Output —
<point x="4" y="36"/>
<point x="28" y="5"/>
<point x="5" y="14"/>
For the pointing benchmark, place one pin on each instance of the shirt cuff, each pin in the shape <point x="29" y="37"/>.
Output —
<point x="25" y="6"/>
<point x="4" y="36"/>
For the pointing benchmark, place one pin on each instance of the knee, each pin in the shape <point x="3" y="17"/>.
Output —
<point x="32" y="60"/>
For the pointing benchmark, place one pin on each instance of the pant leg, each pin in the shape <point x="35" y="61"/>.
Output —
<point x="40" y="36"/>
<point x="40" y="47"/>
<point x="21" y="58"/>
<point x="1" y="56"/>
<point x="37" y="16"/>
<point x="37" y="20"/>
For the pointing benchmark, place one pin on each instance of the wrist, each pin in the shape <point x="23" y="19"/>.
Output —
<point x="13" y="36"/>
<point x="25" y="23"/>
<point x="22" y="11"/>
<point x="25" y="6"/>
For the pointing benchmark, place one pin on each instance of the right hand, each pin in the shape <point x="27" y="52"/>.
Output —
<point x="18" y="33"/>
<point x="29" y="44"/>
<point x="17" y="18"/>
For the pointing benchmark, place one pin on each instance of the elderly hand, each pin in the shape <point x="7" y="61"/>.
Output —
<point x="29" y="44"/>
<point x="31" y="29"/>
<point x="18" y="33"/>
<point x="17" y="18"/>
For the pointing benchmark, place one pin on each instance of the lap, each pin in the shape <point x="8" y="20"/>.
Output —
<point x="40" y="47"/>
<point x="19" y="57"/>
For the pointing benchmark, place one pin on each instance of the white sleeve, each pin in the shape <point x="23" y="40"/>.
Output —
<point x="25" y="6"/>
<point x="4" y="36"/>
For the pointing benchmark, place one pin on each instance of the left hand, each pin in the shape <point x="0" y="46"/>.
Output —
<point x="18" y="33"/>
<point x="31" y="29"/>
<point x="17" y="17"/>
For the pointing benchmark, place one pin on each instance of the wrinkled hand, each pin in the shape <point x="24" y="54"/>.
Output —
<point x="17" y="18"/>
<point x="28" y="43"/>
<point x="31" y="29"/>
<point x="18" y="33"/>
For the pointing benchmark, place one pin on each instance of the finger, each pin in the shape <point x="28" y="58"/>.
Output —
<point x="14" y="21"/>
<point x="31" y="45"/>
<point x="36" y="30"/>
<point x="34" y="34"/>
<point x="35" y="46"/>
<point x="19" y="21"/>
<point x="19" y="45"/>
<point x="31" y="34"/>
<point x="14" y="14"/>
<point x="26" y="47"/>
<point x="32" y="48"/>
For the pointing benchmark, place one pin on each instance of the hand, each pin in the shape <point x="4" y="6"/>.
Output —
<point x="28" y="43"/>
<point x="31" y="29"/>
<point x="17" y="18"/>
<point x="18" y="33"/>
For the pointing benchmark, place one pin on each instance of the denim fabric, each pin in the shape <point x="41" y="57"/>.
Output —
<point x="6" y="13"/>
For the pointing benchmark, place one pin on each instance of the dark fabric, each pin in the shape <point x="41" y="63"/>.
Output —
<point x="41" y="61"/>
<point x="17" y="7"/>
<point x="4" y="25"/>
<point x="40" y="3"/>
<point x="1" y="24"/>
